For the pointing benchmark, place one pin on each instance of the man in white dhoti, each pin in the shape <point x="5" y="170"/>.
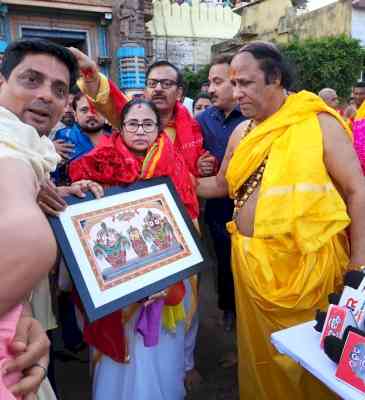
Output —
<point x="34" y="85"/>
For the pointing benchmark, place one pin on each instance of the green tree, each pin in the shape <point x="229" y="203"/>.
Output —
<point x="193" y="80"/>
<point x="334" y="62"/>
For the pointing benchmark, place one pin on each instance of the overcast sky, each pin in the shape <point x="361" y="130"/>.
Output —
<point x="313" y="4"/>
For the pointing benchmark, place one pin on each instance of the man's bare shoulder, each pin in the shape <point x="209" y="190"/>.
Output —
<point x="17" y="180"/>
<point x="239" y="132"/>
<point x="332" y="128"/>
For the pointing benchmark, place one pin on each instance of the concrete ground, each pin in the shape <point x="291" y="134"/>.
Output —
<point x="212" y="343"/>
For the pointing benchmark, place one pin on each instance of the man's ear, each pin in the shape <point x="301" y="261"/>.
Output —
<point x="2" y="79"/>
<point x="180" y="93"/>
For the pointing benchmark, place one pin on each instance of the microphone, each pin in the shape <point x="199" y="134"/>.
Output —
<point x="333" y="346"/>
<point x="334" y="298"/>
<point x="320" y="319"/>
<point x="353" y="278"/>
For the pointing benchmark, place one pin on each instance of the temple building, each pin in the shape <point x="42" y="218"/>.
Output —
<point x="285" y="20"/>
<point x="184" y="32"/>
<point x="112" y="32"/>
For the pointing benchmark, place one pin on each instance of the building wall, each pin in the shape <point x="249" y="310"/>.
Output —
<point x="273" y="20"/>
<point x="91" y="25"/>
<point x="358" y="25"/>
<point x="184" y="51"/>
<point x="184" y="34"/>
<point x="262" y="18"/>
<point x="78" y="2"/>
<point x="41" y="17"/>
<point x="76" y="5"/>
<point x="280" y="22"/>
<point x="332" y="20"/>
<point x="57" y="23"/>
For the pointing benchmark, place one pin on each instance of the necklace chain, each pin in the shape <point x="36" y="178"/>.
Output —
<point x="248" y="188"/>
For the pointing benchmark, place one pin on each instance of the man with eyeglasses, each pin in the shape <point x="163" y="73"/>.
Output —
<point x="164" y="86"/>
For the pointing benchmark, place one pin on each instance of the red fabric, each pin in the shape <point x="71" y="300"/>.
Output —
<point x="189" y="138"/>
<point x="175" y="294"/>
<point x="106" y="334"/>
<point x="111" y="163"/>
<point x="119" y="99"/>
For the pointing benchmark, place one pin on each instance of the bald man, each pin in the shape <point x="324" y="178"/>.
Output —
<point x="329" y="96"/>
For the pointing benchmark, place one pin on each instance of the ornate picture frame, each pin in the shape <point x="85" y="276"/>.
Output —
<point x="135" y="241"/>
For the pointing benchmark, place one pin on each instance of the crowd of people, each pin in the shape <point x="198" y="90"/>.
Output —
<point x="277" y="175"/>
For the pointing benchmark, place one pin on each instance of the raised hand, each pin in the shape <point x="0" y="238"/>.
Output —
<point x="86" y="64"/>
<point x="63" y="148"/>
<point x="89" y="72"/>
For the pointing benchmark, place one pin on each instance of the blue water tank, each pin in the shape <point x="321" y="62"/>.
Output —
<point x="132" y="67"/>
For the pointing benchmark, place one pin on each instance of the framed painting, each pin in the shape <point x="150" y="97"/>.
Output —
<point x="135" y="241"/>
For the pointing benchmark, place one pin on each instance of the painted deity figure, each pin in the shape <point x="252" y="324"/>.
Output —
<point x="111" y="245"/>
<point x="357" y="361"/>
<point x="128" y="16"/>
<point x="159" y="231"/>
<point x="138" y="243"/>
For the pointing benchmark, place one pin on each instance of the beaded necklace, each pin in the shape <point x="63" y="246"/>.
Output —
<point x="247" y="189"/>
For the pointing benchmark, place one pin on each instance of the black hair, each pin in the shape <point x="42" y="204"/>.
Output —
<point x="271" y="62"/>
<point x="201" y="95"/>
<point x="165" y="63"/>
<point x="78" y="96"/>
<point x="75" y="89"/>
<point x="145" y="102"/>
<point x="221" y="59"/>
<point x="360" y="84"/>
<point x="16" y="52"/>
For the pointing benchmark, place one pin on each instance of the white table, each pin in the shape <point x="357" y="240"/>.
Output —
<point x="301" y="343"/>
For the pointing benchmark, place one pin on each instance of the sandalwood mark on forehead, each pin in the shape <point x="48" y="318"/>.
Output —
<point x="232" y="72"/>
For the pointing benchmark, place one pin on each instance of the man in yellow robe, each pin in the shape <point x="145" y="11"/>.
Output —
<point x="297" y="184"/>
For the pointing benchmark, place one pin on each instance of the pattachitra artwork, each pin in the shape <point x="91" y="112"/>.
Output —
<point x="125" y="241"/>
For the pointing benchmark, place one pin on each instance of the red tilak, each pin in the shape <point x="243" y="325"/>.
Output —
<point x="87" y="73"/>
<point x="92" y="108"/>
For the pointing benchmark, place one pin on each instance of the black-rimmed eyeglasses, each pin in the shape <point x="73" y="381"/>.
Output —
<point x="165" y="83"/>
<point x="147" y="125"/>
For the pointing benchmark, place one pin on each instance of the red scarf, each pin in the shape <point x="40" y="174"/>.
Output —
<point x="111" y="163"/>
<point x="189" y="138"/>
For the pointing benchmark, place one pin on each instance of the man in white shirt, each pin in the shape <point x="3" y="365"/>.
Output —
<point x="34" y="85"/>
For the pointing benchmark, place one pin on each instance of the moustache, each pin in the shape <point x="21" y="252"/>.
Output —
<point x="91" y="119"/>
<point x="41" y="108"/>
<point x="158" y="97"/>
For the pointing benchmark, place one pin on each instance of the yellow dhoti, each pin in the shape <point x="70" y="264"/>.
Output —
<point x="298" y="252"/>
<point x="269" y="279"/>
